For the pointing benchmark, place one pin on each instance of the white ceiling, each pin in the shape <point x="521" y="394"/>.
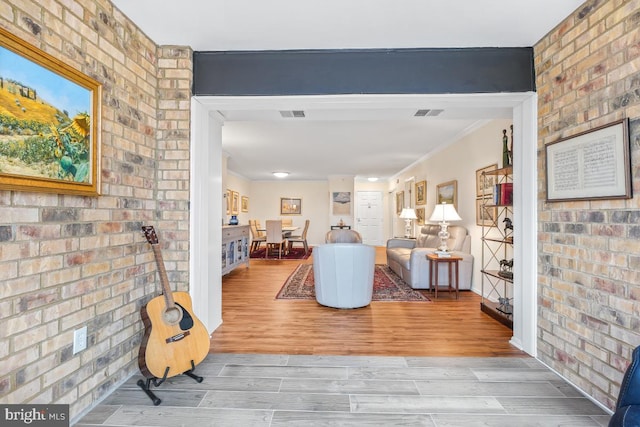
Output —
<point x="379" y="139"/>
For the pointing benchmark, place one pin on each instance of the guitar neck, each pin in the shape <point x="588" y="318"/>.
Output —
<point x="164" y="280"/>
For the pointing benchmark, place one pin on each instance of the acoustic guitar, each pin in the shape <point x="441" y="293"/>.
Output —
<point x="174" y="339"/>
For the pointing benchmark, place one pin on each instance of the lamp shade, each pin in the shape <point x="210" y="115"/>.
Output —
<point x="408" y="213"/>
<point x="444" y="212"/>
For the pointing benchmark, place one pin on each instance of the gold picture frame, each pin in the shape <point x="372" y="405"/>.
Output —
<point x="486" y="213"/>
<point x="62" y="131"/>
<point x="235" y="203"/>
<point x="420" y="215"/>
<point x="447" y="192"/>
<point x="228" y="197"/>
<point x="421" y="193"/>
<point x="484" y="183"/>
<point x="244" y="204"/>
<point x="290" y="206"/>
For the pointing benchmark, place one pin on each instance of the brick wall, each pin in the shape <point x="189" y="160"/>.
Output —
<point x="588" y="75"/>
<point x="69" y="261"/>
<point x="172" y="176"/>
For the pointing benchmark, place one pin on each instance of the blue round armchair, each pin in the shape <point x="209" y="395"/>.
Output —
<point x="628" y="406"/>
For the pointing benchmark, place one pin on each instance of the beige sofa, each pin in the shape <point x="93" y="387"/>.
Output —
<point x="407" y="257"/>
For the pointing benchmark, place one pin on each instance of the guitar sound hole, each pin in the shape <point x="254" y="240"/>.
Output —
<point x="172" y="315"/>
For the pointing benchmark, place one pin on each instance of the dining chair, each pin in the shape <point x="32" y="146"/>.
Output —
<point x="301" y="238"/>
<point x="274" y="237"/>
<point x="259" y="228"/>
<point x="256" y="236"/>
<point x="343" y="236"/>
<point x="287" y="222"/>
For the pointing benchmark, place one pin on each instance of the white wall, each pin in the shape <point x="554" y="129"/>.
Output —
<point x="264" y="203"/>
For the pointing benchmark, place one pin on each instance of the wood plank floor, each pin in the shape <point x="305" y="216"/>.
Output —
<point x="260" y="390"/>
<point x="296" y="363"/>
<point x="255" y="322"/>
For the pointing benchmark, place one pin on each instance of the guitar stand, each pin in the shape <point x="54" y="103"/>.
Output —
<point x="146" y="385"/>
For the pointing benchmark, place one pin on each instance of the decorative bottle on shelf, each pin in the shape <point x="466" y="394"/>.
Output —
<point x="506" y="160"/>
<point x="233" y="220"/>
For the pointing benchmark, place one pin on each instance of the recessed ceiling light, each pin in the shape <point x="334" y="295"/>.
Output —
<point x="281" y="174"/>
<point x="372" y="179"/>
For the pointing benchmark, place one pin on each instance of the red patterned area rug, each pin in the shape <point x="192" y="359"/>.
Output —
<point x="294" y="253"/>
<point x="387" y="286"/>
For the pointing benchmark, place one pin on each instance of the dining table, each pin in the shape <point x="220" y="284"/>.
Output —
<point x="286" y="230"/>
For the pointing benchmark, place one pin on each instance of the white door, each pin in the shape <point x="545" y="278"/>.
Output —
<point x="369" y="217"/>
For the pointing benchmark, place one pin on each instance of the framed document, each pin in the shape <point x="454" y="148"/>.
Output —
<point x="591" y="165"/>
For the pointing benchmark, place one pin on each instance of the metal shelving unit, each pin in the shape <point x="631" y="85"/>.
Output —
<point x="497" y="252"/>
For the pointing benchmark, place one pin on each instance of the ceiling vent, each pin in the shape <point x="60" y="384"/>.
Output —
<point x="427" y="113"/>
<point x="298" y="114"/>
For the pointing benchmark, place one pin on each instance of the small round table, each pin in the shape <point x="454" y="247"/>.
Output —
<point x="434" y="260"/>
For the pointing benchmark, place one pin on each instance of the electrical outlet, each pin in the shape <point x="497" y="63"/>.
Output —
<point x="79" y="339"/>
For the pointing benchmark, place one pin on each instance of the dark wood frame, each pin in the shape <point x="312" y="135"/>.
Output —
<point x="617" y="133"/>
<point x="284" y="211"/>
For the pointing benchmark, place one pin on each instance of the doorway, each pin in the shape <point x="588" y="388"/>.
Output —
<point x="524" y="115"/>
<point x="370" y="217"/>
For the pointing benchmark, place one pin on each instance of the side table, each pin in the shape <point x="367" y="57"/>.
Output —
<point x="434" y="261"/>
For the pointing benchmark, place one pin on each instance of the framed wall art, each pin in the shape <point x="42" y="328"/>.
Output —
<point x="421" y="193"/>
<point x="341" y="203"/>
<point x="290" y="206"/>
<point x="399" y="201"/>
<point x="227" y="197"/>
<point x="447" y="192"/>
<point x="235" y="203"/>
<point x="420" y="215"/>
<point x="484" y="183"/>
<point x="244" y="204"/>
<point x="49" y="122"/>
<point x="486" y="213"/>
<point x="590" y="165"/>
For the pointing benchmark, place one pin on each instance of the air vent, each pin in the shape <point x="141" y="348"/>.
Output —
<point x="427" y="113"/>
<point x="292" y="114"/>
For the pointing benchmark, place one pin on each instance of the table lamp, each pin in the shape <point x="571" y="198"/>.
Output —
<point x="408" y="214"/>
<point x="443" y="213"/>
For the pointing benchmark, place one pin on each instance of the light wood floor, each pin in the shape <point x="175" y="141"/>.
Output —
<point x="255" y="322"/>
